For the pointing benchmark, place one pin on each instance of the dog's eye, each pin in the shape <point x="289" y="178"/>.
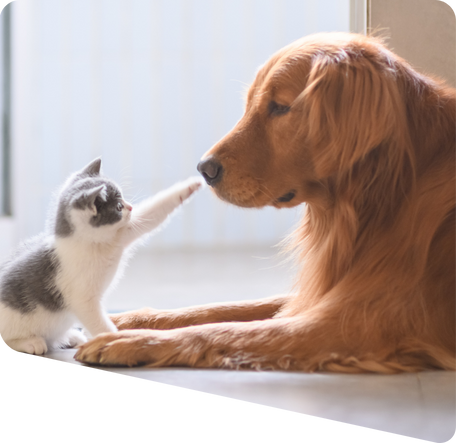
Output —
<point x="277" y="109"/>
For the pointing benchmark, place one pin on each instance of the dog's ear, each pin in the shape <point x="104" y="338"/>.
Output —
<point x="351" y="105"/>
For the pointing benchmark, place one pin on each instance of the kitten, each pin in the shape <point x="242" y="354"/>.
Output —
<point x="58" y="277"/>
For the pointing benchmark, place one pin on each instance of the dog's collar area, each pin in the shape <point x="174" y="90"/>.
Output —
<point x="287" y="197"/>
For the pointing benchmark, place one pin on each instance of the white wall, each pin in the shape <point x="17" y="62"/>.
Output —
<point x="150" y="85"/>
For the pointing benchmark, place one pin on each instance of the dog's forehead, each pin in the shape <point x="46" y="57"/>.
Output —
<point x="285" y="73"/>
<point x="282" y="78"/>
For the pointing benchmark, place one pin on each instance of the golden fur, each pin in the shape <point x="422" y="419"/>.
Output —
<point x="369" y="144"/>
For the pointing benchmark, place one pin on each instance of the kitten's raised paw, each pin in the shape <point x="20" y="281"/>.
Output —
<point x="190" y="186"/>
<point x="31" y="345"/>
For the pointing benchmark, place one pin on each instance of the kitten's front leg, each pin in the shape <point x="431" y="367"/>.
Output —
<point x="93" y="317"/>
<point x="152" y="212"/>
<point x="31" y="345"/>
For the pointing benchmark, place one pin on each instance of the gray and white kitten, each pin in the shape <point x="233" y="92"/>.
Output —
<point x="59" y="277"/>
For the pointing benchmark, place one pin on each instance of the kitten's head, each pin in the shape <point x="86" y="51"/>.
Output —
<point x="91" y="206"/>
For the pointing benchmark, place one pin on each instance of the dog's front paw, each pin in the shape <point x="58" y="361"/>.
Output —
<point x="123" y="348"/>
<point x="144" y="318"/>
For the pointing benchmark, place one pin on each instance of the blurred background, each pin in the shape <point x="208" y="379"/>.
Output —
<point x="150" y="85"/>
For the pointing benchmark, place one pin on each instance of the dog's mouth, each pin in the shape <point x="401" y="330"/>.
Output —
<point x="287" y="197"/>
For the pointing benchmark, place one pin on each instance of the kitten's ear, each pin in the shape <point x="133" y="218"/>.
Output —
<point x="86" y="199"/>
<point x="92" y="169"/>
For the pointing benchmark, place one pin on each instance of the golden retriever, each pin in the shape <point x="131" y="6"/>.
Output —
<point x="341" y="123"/>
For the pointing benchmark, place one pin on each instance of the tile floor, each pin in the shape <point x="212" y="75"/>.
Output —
<point x="416" y="405"/>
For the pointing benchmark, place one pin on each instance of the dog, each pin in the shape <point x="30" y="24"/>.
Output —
<point x="340" y="123"/>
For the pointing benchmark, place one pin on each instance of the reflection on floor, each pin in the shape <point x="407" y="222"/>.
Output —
<point x="416" y="405"/>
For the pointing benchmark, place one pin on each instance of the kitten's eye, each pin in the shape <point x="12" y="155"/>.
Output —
<point x="277" y="109"/>
<point x="120" y="206"/>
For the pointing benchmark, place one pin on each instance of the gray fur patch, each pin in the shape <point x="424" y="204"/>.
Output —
<point x="28" y="278"/>
<point x="81" y="193"/>
<point x="91" y="170"/>
<point x="107" y="212"/>
<point x="63" y="227"/>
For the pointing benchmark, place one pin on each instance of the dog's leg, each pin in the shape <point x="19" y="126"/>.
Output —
<point x="148" y="318"/>
<point x="279" y="343"/>
<point x="292" y="343"/>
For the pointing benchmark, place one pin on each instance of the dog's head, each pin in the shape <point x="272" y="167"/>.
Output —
<point x="314" y="109"/>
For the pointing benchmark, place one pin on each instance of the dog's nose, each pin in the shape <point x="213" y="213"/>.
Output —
<point x="211" y="170"/>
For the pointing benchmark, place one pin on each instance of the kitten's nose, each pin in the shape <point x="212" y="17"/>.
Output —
<point x="128" y="206"/>
<point x="211" y="170"/>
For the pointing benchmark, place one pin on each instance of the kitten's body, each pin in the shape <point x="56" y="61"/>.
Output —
<point x="54" y="279"/>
